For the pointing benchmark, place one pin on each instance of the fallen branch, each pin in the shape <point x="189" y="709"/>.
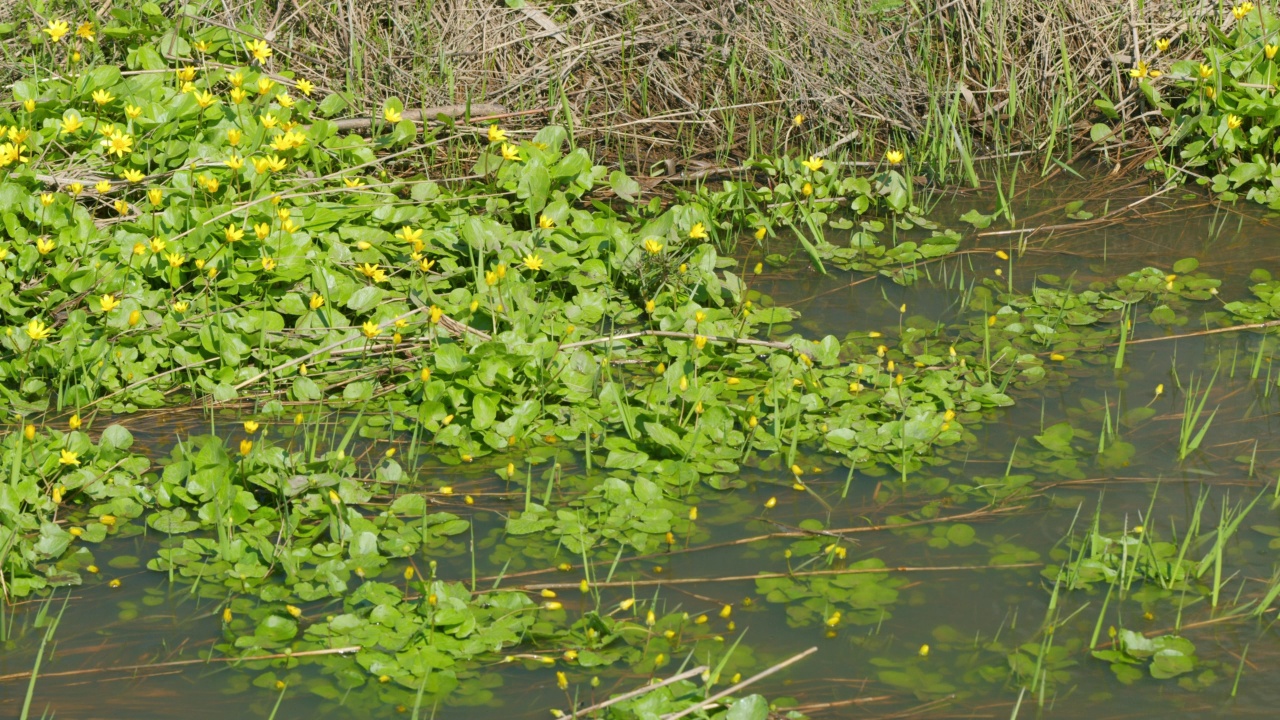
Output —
<point x="682" y="336"/>
<point x="769" y="576"/>
<point x="639" y="691"/>
<point x="178" y="663"/>
<point x="734" y="688"/>
<point x="427" y="113"/>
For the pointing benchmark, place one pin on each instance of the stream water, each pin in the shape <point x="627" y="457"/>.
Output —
<point x="939" y="638"/>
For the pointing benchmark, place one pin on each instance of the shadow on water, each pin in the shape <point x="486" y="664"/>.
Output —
<point x="970" y="612"/>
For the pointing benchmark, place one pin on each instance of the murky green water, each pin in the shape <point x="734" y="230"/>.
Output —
<point x="972" y="589"/>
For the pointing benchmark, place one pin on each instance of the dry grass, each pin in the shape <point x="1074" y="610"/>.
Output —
<point x="714" y="80"/>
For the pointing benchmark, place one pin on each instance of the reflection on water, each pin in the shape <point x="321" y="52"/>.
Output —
<point x="938" y="637"/>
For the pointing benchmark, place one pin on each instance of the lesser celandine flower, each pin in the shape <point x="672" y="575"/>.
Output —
<point x="259" y="49"/>
<point x="545" y="222"/>
<point x="118" y="144"/>
<point x="102" y="97"/>
<point x="70" y="123"/>
<point x="1233" y="121"/>
<point x="132" y="111"/>
<point x="510" y="153"/>
<point x="175" y="259"/>
<point x="133" y="175"/>
<point x="206" y="100"/>
<point x="798" y="120"/>
<point x="181" y="306"/>
<point x="85" y="31"/>
<point x="56" y="30"/>
<point x="305" y="87"/>
<point x="238" y="95"/>
<point x="76" y="188"/>
<point x="285" y="100"/>
<point x="894" y="157"/>
<point x="1241" y="10"/>
<point x="316" y="301"/>
<point x="1205" y="71"/>
<point x="652" y="246"/>
<point x="265" y="84"/>
<point x="698" y="232"/>
<point x="409" y="234"/>
<point x="392" y="115"/>
<point x="235" y="162"/>
<point x="352" y="182"/>
<point x="233" y="137"/>
<point x="532" y="261"/>
<point x="262" y="230"/>
<point x="155" y="195"/>
<point x="37" y="331"/>
<point x="109" y="303"/>
<point x="46" y="199"/>
<point x="813" y="164"/>
<point x="102" y="186"/>
<point x="268" y="263"/>
<point x="246" y="446"/>
<point x="44" y="245"/>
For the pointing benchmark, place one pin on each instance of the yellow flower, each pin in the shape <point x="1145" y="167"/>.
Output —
<point x="102" y="186"/>
<point x="246" y="446"/>
<point x="71" y="123"/>
<point x="409" y="234"/>
<point x="206" y="99"/>
<point x="426" y="264"/>
<point x="132" y="175"/>
<point x="700" y="341"/>
<point x="181" y="306"/>
<point x="370" y="329"/>
<point x="1162" y="44"/>
<point x="74" y="422"/>
<point x="372" y="271"/>
<point x="806" y="189"/>
<point x="232" y="233"/>
<point x="118" y="144"/>
<point x="1241" y="10"/>
<point x="56" y="29"/>
<point x="760" y="233"/>
<point x="185" y="74"/>
<point x="38" y="331"/>
<point x="85" y="31"/>
<point x="276" y="163"/>
<point x="66" y="457"/>
<point x="11" y="153"/>
<point x="268" y="264"/>
<point x="109" y="303"/>
<point x="352" y="182"/>
<point x="1233" y="122"/>
<point x="175" y="259"/>
<point x="235" y="162"/>
<point x="77" y="187"/>
<point x="545" y="222"/>
<point x="132" y="111"/>
<point x="305" y="87"/>
<point x="1205" y="71"/>
<point x="46" y="199"/>
<point x="259" y="49"/>
<point x="562" y="681"/>
<point x="265" y="84"/>
<point x="107" y="520"/>
<point x="262" y="230"/>
<point x="44" y="245"/>
<point x="1141" y="70"/>
<point x="1270" y="50"/>
<point x="924" y="651"/>
<point x="496" y="134"/>
<point x="289" y="225"/>
<point x="238" y="96"/>
<point x="698" y="232"/>
<point x="236" y="79"/>
<point x="392" y="115"/>
<point x="268" y="121"/>
<point x="490" y="278"/>
<point x="135" y="317"/>
<point x="814" y="163"/>
<point x="509" y="152"/>
<point x="102" y="97"/>
<point x="770" y="503"/>
<point x="316" y="301"/>
<point x="894" y="157"/>
<point x="798" y="120"/>
<point x="233" y="137"/>
<point x="155" y="195"/>
<point x="284" y="100"/>
<point x="533" y="262"/>
<point x="250" y="427"/>
<point x="652" y="246"/>
<point x="435" y="314"/>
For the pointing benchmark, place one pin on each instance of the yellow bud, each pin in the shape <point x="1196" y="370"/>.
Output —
<point x="726" y="611"/>
<point x="770" y="503"/>
<point x="924" y="651"/>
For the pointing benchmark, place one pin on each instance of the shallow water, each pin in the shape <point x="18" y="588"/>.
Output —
<point x="135" y="650"/>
